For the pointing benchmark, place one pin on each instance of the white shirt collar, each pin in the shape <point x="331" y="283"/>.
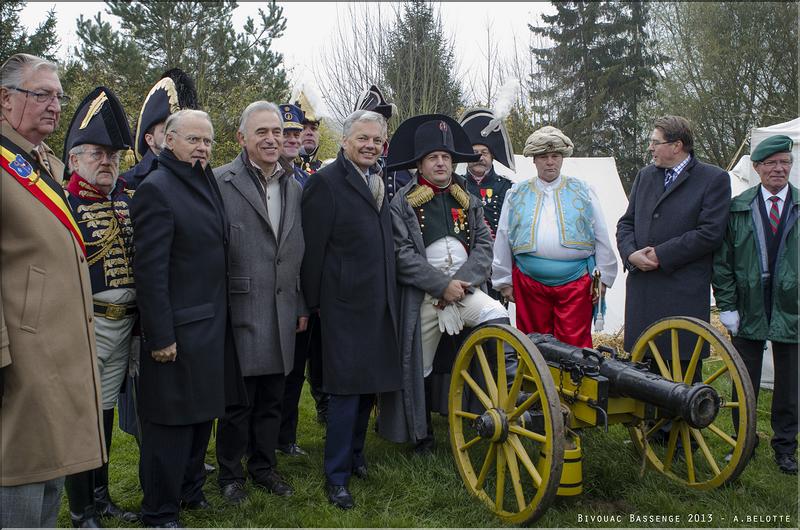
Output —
<point x="546" y="186"/>
<point x="781" y="194"/>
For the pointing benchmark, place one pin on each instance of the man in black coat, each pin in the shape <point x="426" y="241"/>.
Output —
<point x="677" y="215"/>
<point x="348" y="275"/>
<point x="188" y="364"/>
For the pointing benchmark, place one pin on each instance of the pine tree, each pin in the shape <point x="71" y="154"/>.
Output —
<point x="14" y="38"/>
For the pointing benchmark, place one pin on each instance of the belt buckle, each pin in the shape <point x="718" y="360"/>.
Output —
<point x="115" y="312"/>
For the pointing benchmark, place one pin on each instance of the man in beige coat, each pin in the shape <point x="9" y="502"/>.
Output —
<point x="50" y="410"/>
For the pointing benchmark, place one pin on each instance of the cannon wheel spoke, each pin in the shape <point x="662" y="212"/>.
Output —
<point x="706" y="468"/>
<point x="491" y="386"/>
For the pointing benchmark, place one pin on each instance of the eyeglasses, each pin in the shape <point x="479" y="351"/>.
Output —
<point x="98" y="155"/>
<point x="775" y="163"/>
<point x="656" y="142"/>
<point x="44" y="97"/>
<point x="194" y="140"/>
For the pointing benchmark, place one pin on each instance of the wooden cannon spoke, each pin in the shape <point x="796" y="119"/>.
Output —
<point x="466" y="415"/>
<point x="535" y="436"/>
<point x="687" y="452"/>
<point x="500" y="487"/>
<point x="469" y="444"/>
<point x="487" y="465"/>
<point x="481" y="395"/>
<point x="502" y="376"/>
<point x="698" y="437"/>
<point x="662" y="366"/>
<point x="719" y="432"/>
<point x="660" y="423"/>
<point x="511" y="458"/>
<point x="516" y="443"/>
<point x="688" y="377"/>
<point x="676" y="356"/>
<point x="491" y="386"/>
<point x="525" y="405"/>
<point x="713" y="377"/>
<point x="672" y="443"/>
<point x="516" y="385"/>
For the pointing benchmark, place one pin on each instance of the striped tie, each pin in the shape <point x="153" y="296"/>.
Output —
<point x="669" y="178"/>
<point x="774" y="215"/>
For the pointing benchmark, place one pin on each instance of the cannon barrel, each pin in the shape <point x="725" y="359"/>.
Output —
<point x="698" y="403"/>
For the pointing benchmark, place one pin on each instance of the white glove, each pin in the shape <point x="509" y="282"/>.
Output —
<point x="730" y="319"/>
<point x="450" y="321"/>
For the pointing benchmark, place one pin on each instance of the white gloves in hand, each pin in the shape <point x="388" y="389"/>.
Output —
<point x="450" y="321"/>
<point x="730" y="319"/>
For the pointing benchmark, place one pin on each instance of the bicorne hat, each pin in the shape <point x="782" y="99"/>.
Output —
<point x="309" y="114"/>
<point x="293" y="116"/>
<point x="420" y="135"/>
<point x="174" y="91"/>
<point x="100" y="120"/>
<point x="483" y="128"/>
<point x="372" y="99"/>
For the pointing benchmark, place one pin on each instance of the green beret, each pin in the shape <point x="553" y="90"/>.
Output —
<point x="780" y="143"/>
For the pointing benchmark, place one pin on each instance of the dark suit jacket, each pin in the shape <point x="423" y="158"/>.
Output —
<point x="685" y="224"/>
<point x="180" y="235"/>
<point x="348" y="273"/>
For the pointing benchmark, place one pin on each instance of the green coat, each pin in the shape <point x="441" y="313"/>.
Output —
<point x="740" y="271"/>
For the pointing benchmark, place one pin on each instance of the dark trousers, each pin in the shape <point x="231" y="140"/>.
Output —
<point x="171" y="468"/>
<point x="251" y="429"/>
<point x="784" y="398"/>
<point x="348" y="417"/>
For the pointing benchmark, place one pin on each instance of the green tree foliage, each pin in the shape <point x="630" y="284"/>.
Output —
<point x="14" y="37"/>
<point x="601" y="72"/>
<point x="733" y="66"/>
<point x="419" y="63"/>
<point x="230" y="68"/>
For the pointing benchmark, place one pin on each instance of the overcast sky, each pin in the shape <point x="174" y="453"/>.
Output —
<point x="310" y="26"/>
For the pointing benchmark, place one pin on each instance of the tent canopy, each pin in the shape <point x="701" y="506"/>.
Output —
<point x="744" y="176"/>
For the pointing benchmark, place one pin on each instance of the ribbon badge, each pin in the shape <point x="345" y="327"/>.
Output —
<point x="21" y="167"/>
<point x="455" y="212"/>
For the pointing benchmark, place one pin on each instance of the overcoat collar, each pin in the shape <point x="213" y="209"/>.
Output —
<point x="685" y="174"/>
<point x="354" y="178"/>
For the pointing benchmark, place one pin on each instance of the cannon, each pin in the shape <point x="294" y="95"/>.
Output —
<point x="515" y="433"/>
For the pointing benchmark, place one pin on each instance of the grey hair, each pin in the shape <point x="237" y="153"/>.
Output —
<point x="257" y="106"/>
<point x="175" y="119"/>
<point x="14" y="69"/>
<point x="361" y="116"/>
<point x="78" y="149"/>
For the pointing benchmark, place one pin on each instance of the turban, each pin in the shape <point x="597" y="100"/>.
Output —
<point x="778" y="143"/>
<point x="547" y="140"/>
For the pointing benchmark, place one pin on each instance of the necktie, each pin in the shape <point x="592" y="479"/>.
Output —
<point x="774" y="215"/>
<point x="376" y="188"/>
<point x="669" y="178"/>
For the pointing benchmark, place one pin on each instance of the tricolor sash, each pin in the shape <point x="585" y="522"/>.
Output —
<point x="26" y="170"/>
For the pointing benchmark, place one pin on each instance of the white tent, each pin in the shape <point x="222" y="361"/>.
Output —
<point x="601" y="174"/>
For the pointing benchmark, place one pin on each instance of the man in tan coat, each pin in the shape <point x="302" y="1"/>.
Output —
<point x="50" y="410"/>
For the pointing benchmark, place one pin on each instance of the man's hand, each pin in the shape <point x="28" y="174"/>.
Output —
<point x="596" y="296"/>
<point x="644" y="259"/>
<point x="455" y="291"/>
<point x="165" y="355"/>
<point x="508" y="293"/>
<point x="302" y="324"/>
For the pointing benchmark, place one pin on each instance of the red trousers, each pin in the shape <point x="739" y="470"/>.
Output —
<point x="564" y="311"/>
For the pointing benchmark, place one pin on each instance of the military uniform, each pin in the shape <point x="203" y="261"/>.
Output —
<point x="492" y="192"/>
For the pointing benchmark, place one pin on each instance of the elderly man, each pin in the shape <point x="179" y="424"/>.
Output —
<point x="266" y="248"/>
<point x="349" y="276"/>
<point x="676" y="218"/>
<point x="444" y="255"/>
<point x="189" y="369"/>
<point x="551" y="240"/>
<point x="95" y="138"/>
<point x="755" y="285"/>
<point x="49" y="383"/>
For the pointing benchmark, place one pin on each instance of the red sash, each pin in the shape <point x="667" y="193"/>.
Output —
<point x="20" y="165"/>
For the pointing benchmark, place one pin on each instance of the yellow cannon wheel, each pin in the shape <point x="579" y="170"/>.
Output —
<point x="699" y="458"/>
<point x="506" y="429"/>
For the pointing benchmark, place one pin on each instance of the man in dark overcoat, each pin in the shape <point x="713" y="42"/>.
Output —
<point x="189" y="368"/>
<point x="262" y="201"/>
<point x="349" y="276"/>
<point x="676" y="217"/>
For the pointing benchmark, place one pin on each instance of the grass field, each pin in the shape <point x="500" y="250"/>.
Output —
<point x="405" y="490"/>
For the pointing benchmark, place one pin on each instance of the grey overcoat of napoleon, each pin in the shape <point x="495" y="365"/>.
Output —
<point x="264" y="285"/>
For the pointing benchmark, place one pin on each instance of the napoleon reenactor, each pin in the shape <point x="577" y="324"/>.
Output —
<point x="173" y="92"/>
<point x="309" y="159"/>
<point x="96" y="137"/>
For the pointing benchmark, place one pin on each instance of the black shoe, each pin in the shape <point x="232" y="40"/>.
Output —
<point x="292" y="450"/>
<point x="234" y="492"/>
<point x="169" y="524"/>
<point x="361" y="471"/>
<point x="85" y="520"/>
<point x="201" y="504"/>
<point x="425" y="446"/>
<point x="105" y="507"/>
<point x="339" y="496"/>
<point x="274" y="483"/>
<point x="787" y="463"/>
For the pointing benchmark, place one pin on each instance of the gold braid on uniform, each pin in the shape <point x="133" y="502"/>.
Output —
<point x="461" y="196"/>
<point x="419" y="196"/>
<point x="106" y="243"/>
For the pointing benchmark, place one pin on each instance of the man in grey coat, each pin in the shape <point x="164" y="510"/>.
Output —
<point x="677" y="215"/>
<point x="443" y="250"/>
<point x="262" y="200"/>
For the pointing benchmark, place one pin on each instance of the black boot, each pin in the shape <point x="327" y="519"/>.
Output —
<point x="427" y="444"/>
<point x="508" y="352"/>
<point x="104" y="506"/>
<point x="80" y="494"/>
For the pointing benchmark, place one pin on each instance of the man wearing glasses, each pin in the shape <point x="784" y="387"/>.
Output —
<point x="676" y="218"/>
<point x="189" y="371"/>
<point x="50" y="410"/>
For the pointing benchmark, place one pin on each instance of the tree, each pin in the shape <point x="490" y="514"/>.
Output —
<point x="419" y="63"/>
<point x="733" y="66"/>
<point x="14" y="38"/>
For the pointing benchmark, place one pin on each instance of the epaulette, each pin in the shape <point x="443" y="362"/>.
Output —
<point x="419" y="196"/>
<point x="458" y="193"/>
<point x="129" y="192"/>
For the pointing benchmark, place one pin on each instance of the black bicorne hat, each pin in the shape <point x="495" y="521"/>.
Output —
<point x="174" y="91"/>
<point x="372" y="99"/>
<point x="100" y="120"/>
<point x="420" y="135"/>
<point x="483" y="128"/>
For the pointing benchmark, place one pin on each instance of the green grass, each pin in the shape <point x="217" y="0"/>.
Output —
<point x="405" y="490"/>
